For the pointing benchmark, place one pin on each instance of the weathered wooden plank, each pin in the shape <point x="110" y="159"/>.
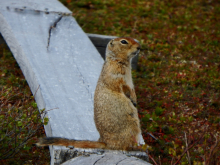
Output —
<point x="65" y="82"/>
<point x="67" y="154"/>
<point x="60" y="64"/>
<point x="107" y="159"/>
<point x="40" y="5"/>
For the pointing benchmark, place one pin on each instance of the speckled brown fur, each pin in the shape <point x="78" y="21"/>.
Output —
<point x="115" y="115"/>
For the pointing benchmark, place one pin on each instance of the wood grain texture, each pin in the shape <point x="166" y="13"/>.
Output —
<point x="60" y="64"/>
<point x="107" y="157"/>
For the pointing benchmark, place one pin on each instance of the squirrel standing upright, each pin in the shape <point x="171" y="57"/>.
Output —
<point x="115" y="112"/>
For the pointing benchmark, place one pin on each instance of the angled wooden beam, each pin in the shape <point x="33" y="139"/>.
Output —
<point x="107" y="158"/>
<point x="60" y="64"/>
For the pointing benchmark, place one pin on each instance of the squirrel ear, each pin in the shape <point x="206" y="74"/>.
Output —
<point x="111" y="43"/>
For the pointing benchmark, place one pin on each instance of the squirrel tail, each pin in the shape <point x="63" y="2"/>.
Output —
<point x="70" y="142"/>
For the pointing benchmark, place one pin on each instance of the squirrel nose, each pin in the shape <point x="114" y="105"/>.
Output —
<point x="138" y="48"/>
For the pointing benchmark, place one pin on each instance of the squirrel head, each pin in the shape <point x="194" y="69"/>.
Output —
<point x="123" y="48"/>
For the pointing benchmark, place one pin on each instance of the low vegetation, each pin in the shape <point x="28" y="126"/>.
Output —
<point x="20" y="122"/>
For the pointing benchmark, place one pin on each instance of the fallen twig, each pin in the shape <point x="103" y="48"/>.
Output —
<point x="188" y="148"/>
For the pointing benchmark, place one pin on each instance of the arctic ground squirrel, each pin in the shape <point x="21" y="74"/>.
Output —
<point x="115" y="111"/>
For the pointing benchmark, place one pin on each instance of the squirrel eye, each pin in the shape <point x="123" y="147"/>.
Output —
<point x="124" y="42"/>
